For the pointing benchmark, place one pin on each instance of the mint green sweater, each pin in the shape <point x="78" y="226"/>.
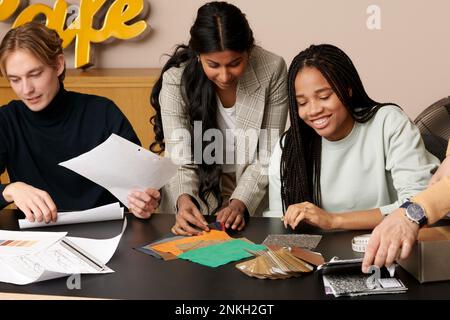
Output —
<point x="378" y="165"/>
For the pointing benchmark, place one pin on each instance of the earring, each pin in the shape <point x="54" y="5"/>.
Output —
<point x="198" y="58"/>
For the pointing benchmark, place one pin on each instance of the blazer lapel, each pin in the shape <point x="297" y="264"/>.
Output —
<point x="250" y="102"/>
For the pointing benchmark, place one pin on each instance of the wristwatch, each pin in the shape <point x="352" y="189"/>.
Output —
<point x="415" y="213"/>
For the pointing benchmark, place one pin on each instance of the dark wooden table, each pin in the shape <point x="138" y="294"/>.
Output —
<point x="140" y="276"/>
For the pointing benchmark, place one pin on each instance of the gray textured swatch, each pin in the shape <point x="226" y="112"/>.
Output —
<point x="306" y="241"/>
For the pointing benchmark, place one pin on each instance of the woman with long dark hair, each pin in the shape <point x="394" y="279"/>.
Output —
<point x="218" y="103"/>
<point x="344" y="152"/>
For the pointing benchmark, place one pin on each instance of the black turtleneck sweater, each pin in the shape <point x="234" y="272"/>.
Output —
<point x="33" y="143"/>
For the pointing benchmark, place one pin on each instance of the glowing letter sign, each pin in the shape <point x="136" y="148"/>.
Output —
<point x="81" y="28"/>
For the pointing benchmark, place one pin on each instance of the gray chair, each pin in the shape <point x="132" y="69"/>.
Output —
<point x="434" y="126"/>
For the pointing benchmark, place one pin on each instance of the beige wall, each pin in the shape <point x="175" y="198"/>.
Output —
<point x="407" y="61"/>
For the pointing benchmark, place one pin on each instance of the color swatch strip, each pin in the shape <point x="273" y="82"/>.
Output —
<point x="17" y="243"/>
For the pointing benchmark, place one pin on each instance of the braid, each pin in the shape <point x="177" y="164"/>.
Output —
<point x="301" y="145"/>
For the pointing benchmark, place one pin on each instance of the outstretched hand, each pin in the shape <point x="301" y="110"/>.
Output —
<point x="394" y="237"/>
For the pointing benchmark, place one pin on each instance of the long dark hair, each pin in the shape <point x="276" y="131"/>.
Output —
<point x="219" y="26"/>
<point x="302" y="146"/>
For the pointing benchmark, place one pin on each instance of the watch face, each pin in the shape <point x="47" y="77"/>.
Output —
<point x="415" y="212"/>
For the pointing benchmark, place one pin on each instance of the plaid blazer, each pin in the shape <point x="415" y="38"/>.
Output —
<point x="261" y="113"/>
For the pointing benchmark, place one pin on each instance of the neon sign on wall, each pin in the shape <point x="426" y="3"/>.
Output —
<point x="80" y="27"/>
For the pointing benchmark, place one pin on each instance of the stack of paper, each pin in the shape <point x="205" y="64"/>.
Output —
<point x="27" y="257"/>
<point x="109" y="212"/>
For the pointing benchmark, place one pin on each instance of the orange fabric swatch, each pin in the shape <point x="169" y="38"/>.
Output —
<point x="171" y="246"/>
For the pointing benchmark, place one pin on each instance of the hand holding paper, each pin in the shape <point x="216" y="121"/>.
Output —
<point x="121" y="167"/>
<point x="144" y="203"/>
<point x="109" y="212"/>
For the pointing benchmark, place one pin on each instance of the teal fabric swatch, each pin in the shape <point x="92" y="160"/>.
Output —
<point x="222" y="253"/>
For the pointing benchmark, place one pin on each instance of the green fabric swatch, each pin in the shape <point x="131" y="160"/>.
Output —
<point x="221" y="253"/>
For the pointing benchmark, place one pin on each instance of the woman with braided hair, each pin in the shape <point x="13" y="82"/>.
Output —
<point x="346" y="160"/>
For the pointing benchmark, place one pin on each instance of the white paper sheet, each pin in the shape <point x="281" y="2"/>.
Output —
<point x="111" y="211"/>
<point x="26" y="242"/>
<point x="121" y="166"/>
<point x="95" y="247"/>
<point x="56" y="261"/>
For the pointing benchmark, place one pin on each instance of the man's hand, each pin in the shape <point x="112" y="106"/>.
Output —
<point x="395" y="234"/>
<point x="144" y="203"/>
<point x="36" y="204"/>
